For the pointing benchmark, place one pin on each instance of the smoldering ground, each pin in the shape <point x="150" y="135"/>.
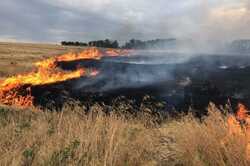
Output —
<point x="211" y="77"/>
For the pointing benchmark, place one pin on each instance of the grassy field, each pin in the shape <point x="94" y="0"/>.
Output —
<point x="72" y="137"/>
<point x="18" y="58"/>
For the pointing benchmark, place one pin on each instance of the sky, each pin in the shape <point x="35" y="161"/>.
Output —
<point x="52" y="21"/>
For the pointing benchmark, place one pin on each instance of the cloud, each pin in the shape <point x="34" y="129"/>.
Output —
<point x="56" y="20"/>
<point x="229" y="21"/>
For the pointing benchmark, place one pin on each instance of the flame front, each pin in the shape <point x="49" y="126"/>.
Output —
<point x="240" y="125"/>
<point x="16" y="90"/>
<point x="242" y="112"/>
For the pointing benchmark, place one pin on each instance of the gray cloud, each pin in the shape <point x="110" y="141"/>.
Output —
<point x="38" y="21"/>
<point x="56" y="20"/>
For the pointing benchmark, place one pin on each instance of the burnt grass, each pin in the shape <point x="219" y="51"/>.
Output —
<point x="84" y="124"/>
<point x="221" y="79"/>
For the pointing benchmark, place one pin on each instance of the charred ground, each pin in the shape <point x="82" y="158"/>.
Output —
<point x="72" y="137"/>
<point x="194" y="81"/>
<point x="175" y="80"/>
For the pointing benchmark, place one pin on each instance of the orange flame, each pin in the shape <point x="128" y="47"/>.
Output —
<point x="92" y="53"/>
<point x="240" y="125"/>
<point x="117" y="52"/>
<point x="12" y="91"/>
<point x="242" y="112"/>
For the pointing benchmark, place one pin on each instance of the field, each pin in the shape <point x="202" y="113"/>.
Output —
<point x="18" y="58"/>
<point x="73" y="137"/>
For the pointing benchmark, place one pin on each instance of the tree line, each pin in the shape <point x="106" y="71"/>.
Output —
<point x="99" y="43"/>
<point x="240" y="46"/>
<point x="150" y="44"/>
<point x="71" y="43"/>
<point x="131" y="44"/>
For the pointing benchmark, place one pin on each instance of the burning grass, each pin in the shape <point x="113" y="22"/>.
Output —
<point x="108" y="135"/>
<point x="12" y="91"/>
<point x="71" y="137"/>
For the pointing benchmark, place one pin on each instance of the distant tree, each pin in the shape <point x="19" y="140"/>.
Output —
<point x="63" y="43"/>
<point x="115" y="44"/>
<point x="240" y="46"/>
<point x="71" y="43"/>
<point x="104" y="43"/>
<point x="157" y="43"/>
<point x="107" y="43"/>
<point x="149" y="44"/>
<point x="77" y="43"/>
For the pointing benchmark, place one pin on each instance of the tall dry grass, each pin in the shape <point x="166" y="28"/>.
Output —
<point x="72" y="138"/>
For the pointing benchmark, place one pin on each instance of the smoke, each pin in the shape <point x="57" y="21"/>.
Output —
<point x="142" y="69"/>
<point x="199" y="25"/>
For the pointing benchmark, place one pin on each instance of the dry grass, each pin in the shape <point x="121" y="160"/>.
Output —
<point x="191" y="141"/>
<point x="18" y="57"/>
<point x="73" y="138"/>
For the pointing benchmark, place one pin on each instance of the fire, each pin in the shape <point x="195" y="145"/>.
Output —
<point x="16" y="90"/>
<point x="235" y="122"/>
<point x="242" y="112"/>
<point x="92" y="53"/>
<point x="240" y="125"/>
<point x="113" y="52"/>
<point x="41" y="77"/>
<point x="94" y="73"/>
